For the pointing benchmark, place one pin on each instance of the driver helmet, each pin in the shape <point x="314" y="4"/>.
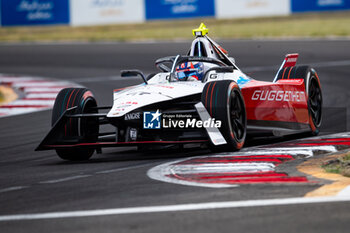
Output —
<point x="190" y="71"/>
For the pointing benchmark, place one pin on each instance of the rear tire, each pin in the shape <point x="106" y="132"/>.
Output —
<point x="85" y="130"/>
<point x="313" y="92"/>
<point x="224" y="101"/>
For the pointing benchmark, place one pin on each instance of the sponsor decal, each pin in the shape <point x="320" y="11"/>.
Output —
<point x="133" y="134"/>
<point x="119" y="109"/>
<point x="139" y="93"/>
<point x="251" y="8"/>
<point x="107" y="3"/>
<point x="319" y="5"/>
<point x="330" y="2"/>
<point x="157" y="120"/>
<point x="28" y="12"/>
<point x="132" y="116"/>
<point x="293" y="81"/>
<point x="36" y="10"/>
<point x="95" y="12"/>
<point x="163" y="86"/>
<point x="34" y="5"/>
<point x="152" y="120"/>
<point x="125" y="105"/>
<point x="130" y="102"/>
<point x="167" y="9"/>
<point x="257" y="4"/>
<point x="213" y="76"/>
<point x="241" y="81"/>
<point x="273" y="95"/>
<point x="292" y="59"/>
<point x="191" y="123"/>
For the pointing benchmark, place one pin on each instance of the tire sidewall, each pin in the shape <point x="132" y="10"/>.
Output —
<point x="82" y="99"/>
<point x="233" y="87"/>
<point x="221" y="111"/>
<point x="312" y="75"/>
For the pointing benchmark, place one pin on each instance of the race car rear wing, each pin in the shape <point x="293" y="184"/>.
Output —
<point x="289" y="61"/>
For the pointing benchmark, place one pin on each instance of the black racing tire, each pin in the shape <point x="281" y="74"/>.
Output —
<point x="85" y="130"/>
<point x="224" y="101"/>
<point x="313" y="92"/>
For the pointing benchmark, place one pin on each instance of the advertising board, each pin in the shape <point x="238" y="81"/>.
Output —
<point x="94" y="12"/>
<point x="172" y="9"/>
<point x="319" y="5"/>
<point x="34" y="12"/>
<point x="251" y="8"/>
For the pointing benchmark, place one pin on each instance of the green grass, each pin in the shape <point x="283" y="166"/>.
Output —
<point x="339" y="166"/>
<point x="300" y="25"/>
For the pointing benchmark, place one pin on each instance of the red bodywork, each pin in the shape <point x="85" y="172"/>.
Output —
<point x="283" y="101"/>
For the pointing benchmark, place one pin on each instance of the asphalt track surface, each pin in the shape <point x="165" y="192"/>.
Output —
<point x="39" y="182"/>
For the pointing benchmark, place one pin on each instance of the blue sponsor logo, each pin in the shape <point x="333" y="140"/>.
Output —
<point x="151" y="120"/>
<point x="169" y="9"/>
<point x="319" y="5"/>
<point x="242" y="81"/>
<point x="323" y="3"/>
<point x="34" y="12"/>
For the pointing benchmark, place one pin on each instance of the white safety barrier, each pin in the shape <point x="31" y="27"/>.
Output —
<point x="95" y="12"/>
<point x="101" y="12"/>
<point x="251" y="8"/>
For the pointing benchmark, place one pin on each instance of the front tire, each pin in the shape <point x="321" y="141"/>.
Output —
<point x="84" y="130"/>
<point x="224" y="101"/>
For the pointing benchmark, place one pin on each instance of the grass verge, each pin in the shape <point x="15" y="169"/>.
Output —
<point x="339" y="165"/>
<point x="335" y="24"/>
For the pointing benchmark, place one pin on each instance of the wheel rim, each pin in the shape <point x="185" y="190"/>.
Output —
<point x="315" y="101"/>
<point x="237" y="115"/>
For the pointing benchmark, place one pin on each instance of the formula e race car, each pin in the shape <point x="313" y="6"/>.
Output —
<point x="201" y="97"/>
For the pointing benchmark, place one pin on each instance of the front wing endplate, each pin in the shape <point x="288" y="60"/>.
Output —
<point x="214" y="134"/>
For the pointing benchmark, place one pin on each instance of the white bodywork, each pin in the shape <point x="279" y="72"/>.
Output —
<point x="159" y="89"/>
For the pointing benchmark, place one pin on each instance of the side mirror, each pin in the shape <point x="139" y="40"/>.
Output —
<point x="132" y="73"/>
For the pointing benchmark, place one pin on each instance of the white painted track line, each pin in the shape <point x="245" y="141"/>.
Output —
<point x="221" y="168"/>
<point x="345" y="192"/>
<point x="175" y="208"/>
<point x="64" y="179"/>
<point x="12" y="189"/>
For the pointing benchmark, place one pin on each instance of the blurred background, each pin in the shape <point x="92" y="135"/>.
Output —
<point x="125" y="20"/>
